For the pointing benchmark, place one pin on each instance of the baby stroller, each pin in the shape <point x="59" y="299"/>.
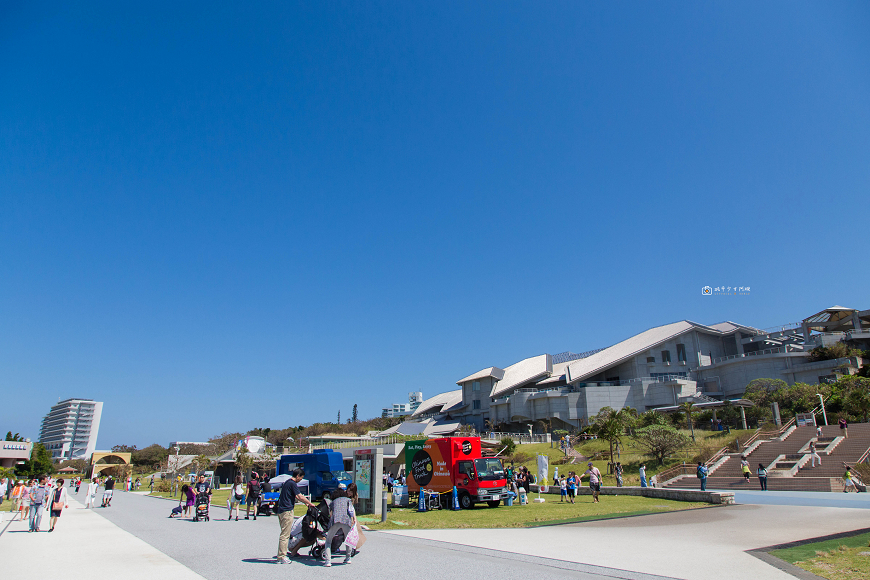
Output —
<point x="201" y="508"/>
<point x="314" y="527"/>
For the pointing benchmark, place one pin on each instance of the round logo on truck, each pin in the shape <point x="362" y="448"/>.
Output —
<point x="466" y="447"/>
<point x="422" y="468"/>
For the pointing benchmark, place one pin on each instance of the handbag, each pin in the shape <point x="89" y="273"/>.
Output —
<point x="56" y="505"/>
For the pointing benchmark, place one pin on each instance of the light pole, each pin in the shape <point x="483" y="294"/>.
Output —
<point x="822" y="401"/>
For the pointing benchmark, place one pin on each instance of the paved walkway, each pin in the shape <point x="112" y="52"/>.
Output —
<point x="704" y="544"/>
<point x="137" y="535"/>
<point x="84" y="545"/>
<point x="136" y="539"/>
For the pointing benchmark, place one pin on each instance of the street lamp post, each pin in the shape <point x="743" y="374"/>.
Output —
<point x="824" y="415"/>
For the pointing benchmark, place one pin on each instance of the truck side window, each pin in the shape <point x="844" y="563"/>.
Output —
<point x="466" y="468"/>
<point x="326" y="475"/>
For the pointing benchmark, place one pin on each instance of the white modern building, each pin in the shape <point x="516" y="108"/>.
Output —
<point x="659" y="367"/>
<point x="69" y="431"/>
<point x="402" y="409"/>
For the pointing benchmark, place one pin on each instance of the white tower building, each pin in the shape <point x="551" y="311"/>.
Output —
<point x="69" y="431"/>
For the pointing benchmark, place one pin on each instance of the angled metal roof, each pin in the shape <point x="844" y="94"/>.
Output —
<point x="438" y="402"/>
<point x="628" y="348"/>
<point x="494" y="372"/>
<point x="525" y="371"/>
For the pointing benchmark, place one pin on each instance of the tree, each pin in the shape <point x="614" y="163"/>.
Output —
<point x="354" y="416"/>
<point x="660" y="441"/>
<point x="124" y="448"/>
<point x="650" y="417"/>
<point x="244" y="461"/>
<point x="151" y="456"/>
<point x="11" y="437"/>
<point x="338" y="421"/>
<point x="201" y="462"/>
<point x="689" y="409"/>
<point x="508" y="446"/>
<point x="266" y="460"/>
<point x="39" y="462"/>
<point x="858" y="399"/>
<point x="610" y="425"/>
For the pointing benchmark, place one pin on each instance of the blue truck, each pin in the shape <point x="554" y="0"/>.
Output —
<point x="324" y="470"/>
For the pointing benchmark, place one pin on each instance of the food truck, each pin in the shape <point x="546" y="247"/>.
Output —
<point x="440" y="464"/>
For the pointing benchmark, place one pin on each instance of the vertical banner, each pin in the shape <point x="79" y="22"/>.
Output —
<point x="543" y="471"/>
<point x="363" y="473"/>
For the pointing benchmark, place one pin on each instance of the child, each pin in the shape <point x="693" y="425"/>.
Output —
<point x="563" y="489"/>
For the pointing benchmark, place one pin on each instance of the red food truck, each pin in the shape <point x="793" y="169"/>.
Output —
<point x="439" y="464"/>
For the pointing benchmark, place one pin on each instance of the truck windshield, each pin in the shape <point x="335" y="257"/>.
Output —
<point x="489" y="469"/>
<point x="342" y="475"/>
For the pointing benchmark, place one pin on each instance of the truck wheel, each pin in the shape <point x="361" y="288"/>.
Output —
<point x="465" y="501"/>
<point x="493" y="503"/>
<point x="327" y="495"/>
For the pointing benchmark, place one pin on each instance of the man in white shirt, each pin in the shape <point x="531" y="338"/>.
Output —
<point x="4" y="487"/>
<point x="594" y="481"/>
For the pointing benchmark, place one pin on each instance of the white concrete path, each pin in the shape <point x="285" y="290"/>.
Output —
<point x="705" y="544"/>
<point x="84" y="545"/>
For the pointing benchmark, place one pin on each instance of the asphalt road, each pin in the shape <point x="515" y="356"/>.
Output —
<point x="223" y="550"/>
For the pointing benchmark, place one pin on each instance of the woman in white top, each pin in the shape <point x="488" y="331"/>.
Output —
<point x="237" y="494"/>
<point x="57" y="499"/>
<point x="92" y="492"/>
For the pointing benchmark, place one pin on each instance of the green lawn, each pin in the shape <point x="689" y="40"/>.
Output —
<point x="517" y="516"/>
<point x="841" y="559"/>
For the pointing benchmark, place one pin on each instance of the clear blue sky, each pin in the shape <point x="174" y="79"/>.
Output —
<point x="219" y="217"/>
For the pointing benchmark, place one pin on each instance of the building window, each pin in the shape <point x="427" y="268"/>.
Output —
<point x="650" y="359"/>
<point x="475" y="404"/>
<point x="666" y="356"/>
<point x="681" y="352"/>
<point x="475" y="386"/>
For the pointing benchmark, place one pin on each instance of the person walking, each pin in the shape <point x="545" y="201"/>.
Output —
<point x="617" y="471"/>
<point x="702" y="473"/>
<point x="78" y="484"/>
<point x="237" y="494"/>
<point x="59" y="500"/>
<point x="4" y="487"/>
<point x="38" y="497"/>
<point x="342" y="512"/>
<point x="253" y="496"/>
<point x="108" y="491"/>
<point x="844" y="427"/>
<point x="594" y="481"/>
<point x="744" y="466"/>
<point x="814" y="455"/>
<point x="818" y="431"/>
<point x="848" y="481"/>
<point x="563" y="489"/>
<point x="91" y="499"/>
<point x="762" y="477"/>
<point x="151" y="485"/>
<point x="642" y="471"/>
<point x="287" y="499"/>
<point x="572" y="486"/>
<point x="20" y="497"/>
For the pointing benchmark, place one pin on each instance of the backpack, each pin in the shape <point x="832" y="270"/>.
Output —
<point x="701" y="472"/>
<point x="255" y="487"/>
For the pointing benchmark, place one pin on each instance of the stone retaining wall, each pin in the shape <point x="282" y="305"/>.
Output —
<point x="716" y="497"/>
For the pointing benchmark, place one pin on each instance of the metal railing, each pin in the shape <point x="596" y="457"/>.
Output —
<point x="781" y="349"/>
<point x="390" y="439"/>
<point x="781" y="328"/>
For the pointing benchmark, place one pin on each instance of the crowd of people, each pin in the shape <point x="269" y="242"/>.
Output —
<point x="32" y="498"/>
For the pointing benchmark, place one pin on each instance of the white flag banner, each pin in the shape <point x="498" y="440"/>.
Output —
<point x="543" y="471"/>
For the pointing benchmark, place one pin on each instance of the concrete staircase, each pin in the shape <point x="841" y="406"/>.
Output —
<point x="788" y="462"/>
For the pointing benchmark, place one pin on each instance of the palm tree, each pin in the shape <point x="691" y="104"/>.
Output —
<point x="689" y="408"/>
<point x="610" y="425"/>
